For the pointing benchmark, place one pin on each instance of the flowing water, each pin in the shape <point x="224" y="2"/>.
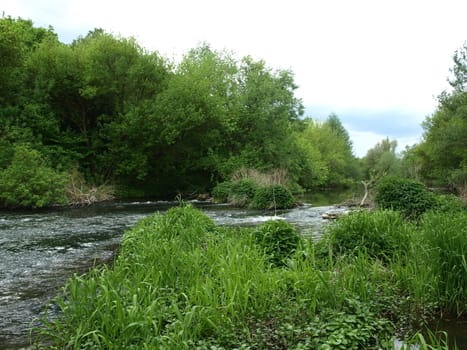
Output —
<point x="39" y="251"/>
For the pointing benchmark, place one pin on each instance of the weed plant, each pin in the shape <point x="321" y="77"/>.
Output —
<point x="257" y="190"/>
<point x="221" y="191"/>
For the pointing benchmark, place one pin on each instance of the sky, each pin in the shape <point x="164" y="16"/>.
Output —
<point x="377" y="64"/>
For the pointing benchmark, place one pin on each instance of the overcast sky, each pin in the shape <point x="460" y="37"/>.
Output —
<point x="377" y="64"/>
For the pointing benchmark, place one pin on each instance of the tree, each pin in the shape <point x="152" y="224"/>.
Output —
<point x="459" y="70"/>
<point x="18" y="38"/>
<point x="174" y="140"/>
<point x="443" y="150"/>
<point x="381" y="160"/>
<point x="266" y="112"/>
<point x="84" y="87"/>
<point x="329" y="160"/>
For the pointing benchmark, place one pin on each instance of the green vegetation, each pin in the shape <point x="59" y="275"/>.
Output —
<point x="28" y="182"/>
<point x="382" y="234"/>
<point x="256" y="190"/>
<point x="180" y="282"/>
<point x="410" y="197"/>
<point x="102" y="116"/>
<point x="272" y="197"/>
<point x="129" y="122"/>
<point x="279" y="240"/>
<point x="107" y="111"/>
<point x="242" y="192"/>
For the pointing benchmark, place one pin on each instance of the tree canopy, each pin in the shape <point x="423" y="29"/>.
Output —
<point x="442" y="155"/>
<point x="116" y="113"/>
<point x="105" y="108"/>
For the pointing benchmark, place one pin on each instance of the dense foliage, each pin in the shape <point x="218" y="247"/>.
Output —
<point x="382" y="234"/>
<point x="327" y="158"/>
<point x="120" y="115"/>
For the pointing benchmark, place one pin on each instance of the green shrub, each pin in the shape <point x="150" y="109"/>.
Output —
<point x="221" y="192"/>
<point x="242" y="192"/>
<point x="29" y="183"/>
<point x="410" y="197"/>
<point x="381" y="234"/>
<point x="273" y="197"/>
<point x="279" y="240"/>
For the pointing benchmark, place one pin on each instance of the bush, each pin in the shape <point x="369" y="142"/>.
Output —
<point x="410" y="197"/>
<point x="242" y="192"/>
<point x="279" y="240"/>
<point x="221" y="192"/>
<point x="381" y="234"/>
<point x="29" y="183"/>
<point x="273" y="197"/>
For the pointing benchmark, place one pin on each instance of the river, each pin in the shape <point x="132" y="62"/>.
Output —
<point x="39" y="251"/>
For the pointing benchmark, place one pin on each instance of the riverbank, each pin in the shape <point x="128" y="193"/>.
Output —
<point x="181" y="282"/>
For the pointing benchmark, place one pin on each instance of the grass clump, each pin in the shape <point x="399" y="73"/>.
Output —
<point x="221" y="191"/>
<point x="242" y="192"/>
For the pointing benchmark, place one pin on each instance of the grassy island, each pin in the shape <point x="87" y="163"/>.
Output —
<point x="181" y="282"/>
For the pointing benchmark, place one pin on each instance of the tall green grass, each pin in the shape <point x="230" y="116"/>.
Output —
<point x="442" y="249"/>
<point x="180" y="282"/>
